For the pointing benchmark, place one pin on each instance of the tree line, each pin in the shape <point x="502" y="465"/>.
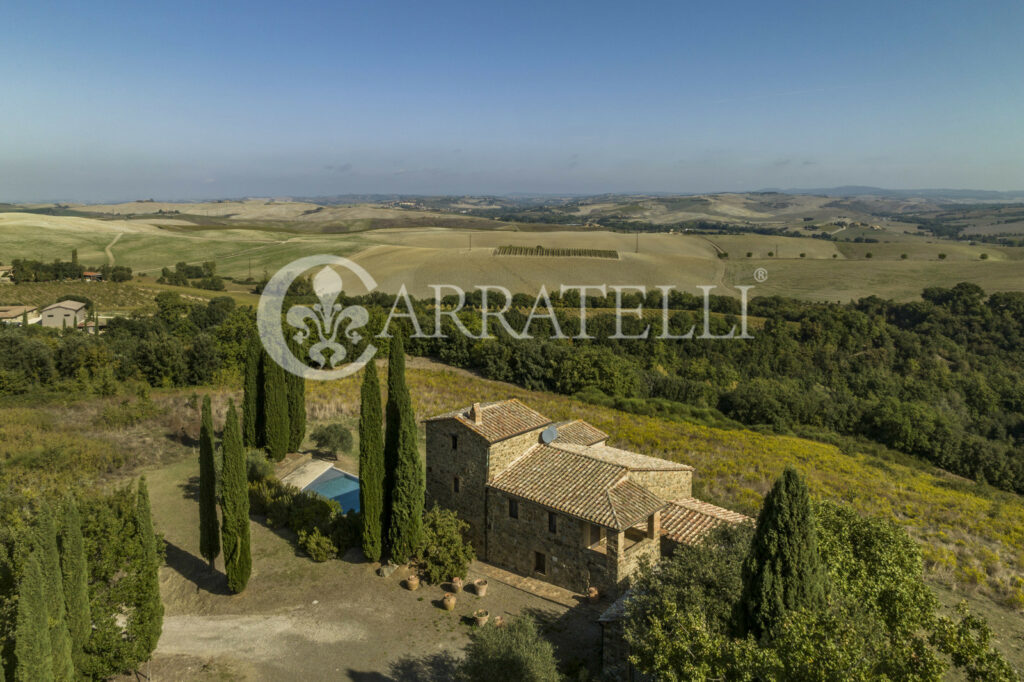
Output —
<point x="79" y="588"/>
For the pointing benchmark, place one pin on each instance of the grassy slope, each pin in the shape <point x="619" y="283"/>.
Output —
<point x="973" y="539"/>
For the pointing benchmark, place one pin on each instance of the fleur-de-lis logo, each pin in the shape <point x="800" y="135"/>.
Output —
<point x="326" y="322"/>
<point x="327" y="317"/>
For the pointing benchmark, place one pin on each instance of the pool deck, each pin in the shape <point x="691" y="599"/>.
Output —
<point x="306" y="473"/>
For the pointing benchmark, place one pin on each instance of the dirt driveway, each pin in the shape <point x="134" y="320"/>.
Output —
<point x="300" y="620"/>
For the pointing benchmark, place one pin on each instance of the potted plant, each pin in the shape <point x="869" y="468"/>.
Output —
<point x="456" y="584"/>
<point x="481" y="617"/>
<point x="448" y="601"/>
<point x="412" y="582"/>
<point x="481" y="587"/>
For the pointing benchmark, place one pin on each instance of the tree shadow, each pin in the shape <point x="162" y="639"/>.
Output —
<point x="195" y="570"/>
<point x="575" y="634"/>
<point x="190" y="488"/>
<point x="439" y="667"/>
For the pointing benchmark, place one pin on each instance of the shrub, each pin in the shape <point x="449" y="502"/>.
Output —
<point x="446" y="553"/>
<point x="942" y="256"/>
<point x="868" y="254"/>
<point x="903" y="256"/>
<point x="318" y="546"/>
<point x="258" y="466"/>
<point x="515" y="652"/>
<point x="332" y="438"/>
<point x="346" y="531"/>
<point x="984" y="256"/>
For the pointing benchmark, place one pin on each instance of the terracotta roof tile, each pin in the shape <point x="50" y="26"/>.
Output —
<point x="580" y="486"/>
<point x="580" y="433"/>
<point x="499" y="420"/>
<point x="687" y="521"/>
<point x="633" y="461"/>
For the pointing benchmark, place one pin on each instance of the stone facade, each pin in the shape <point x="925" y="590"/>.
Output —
<point x="668" y="485"/>
<point x="568" y="557"/>
<point x="456" y="452"/>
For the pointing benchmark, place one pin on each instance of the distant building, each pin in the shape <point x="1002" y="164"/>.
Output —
<point x="6" y="274"/>
<point x="554" y="501"/>
<point x="16" y="314"/>
<point x="64" y="314"/>
<point x="91" y="276"/>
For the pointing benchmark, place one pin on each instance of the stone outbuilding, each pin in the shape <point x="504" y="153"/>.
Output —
<point x="554" y="501"/>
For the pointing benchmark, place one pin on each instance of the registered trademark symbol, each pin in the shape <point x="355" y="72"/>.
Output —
<point x="760" y="274"/>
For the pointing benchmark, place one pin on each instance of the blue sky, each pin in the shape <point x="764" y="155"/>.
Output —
<point x="124" y="100"/>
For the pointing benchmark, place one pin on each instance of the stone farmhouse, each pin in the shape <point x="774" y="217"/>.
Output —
<point x="554" y="501"/>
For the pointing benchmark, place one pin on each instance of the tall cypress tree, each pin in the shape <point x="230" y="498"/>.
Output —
<point x="33" y="657"/>
<point x="275" y="409"/>
<point x="209" y="528"/>
<point x="235" y="506"/>
<point x="371" y="464"/>
<point x="405" y="521"/>
<point x="53" y="584"/>
<point x="252" y="399"/>
<point x="296" y="410"/>
<point x="782" y="571"/>
<point x="75" y="574"/>
<point x="146" y="620"/>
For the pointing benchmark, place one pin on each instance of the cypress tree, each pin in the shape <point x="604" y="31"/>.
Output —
<point x="75" y="574"/>
<point x="32" y="651"/>
<point x="235" y="506"/>
<point x="782" y="571"/>
<point x="209" y="528"/>
<point x="296" y="410"/>
<point x="371" y="464"/>
<point x="405" y="520"/>
<point x="53" y="593"/>
<point x="275" y="409"/>
<point x="252" y="400"/>
<point x="146" y="620"/>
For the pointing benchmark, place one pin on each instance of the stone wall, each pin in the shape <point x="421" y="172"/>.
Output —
<point x="570" y="562"/>
<point x="504" y="452"/>
<point x="668" y="485"/>
<point x="468" y="461"/>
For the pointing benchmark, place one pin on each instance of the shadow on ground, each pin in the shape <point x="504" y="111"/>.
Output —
<point x="439" y="667"/>
<point x="195" y="570"/>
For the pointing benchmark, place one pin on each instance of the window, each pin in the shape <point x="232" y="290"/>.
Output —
<point x="513" y="509"/>
<point x="552" y="522"/>
<point x="455" y="442"/>
<point x="540" y="563"/>
<point x="455" y="484"/>
<point x="595" y="534"/>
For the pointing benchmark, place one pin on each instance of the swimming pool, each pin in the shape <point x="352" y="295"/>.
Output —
<point x="337" y="485"/>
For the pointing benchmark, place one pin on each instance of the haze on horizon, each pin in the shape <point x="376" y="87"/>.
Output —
<point x="188" y="100"/>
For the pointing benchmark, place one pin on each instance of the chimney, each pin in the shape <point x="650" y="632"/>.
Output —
<point x="477" y="414"/>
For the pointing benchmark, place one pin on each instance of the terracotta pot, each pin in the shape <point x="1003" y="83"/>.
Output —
<point x="456" y="584"/>
<point x="481" y="617"/>
<point x="481" y="587"/>
<point x="448" y="601"/>
<point x="412" y="582"/>
<point x="592" y="593"/>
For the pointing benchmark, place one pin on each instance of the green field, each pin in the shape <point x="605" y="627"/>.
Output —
<point x="419" y="257"/>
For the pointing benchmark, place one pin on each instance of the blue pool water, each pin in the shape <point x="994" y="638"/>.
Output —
<point x="337" y="485"/>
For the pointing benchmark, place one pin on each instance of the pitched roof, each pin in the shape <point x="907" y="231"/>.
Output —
<point x="579" y="432"/>
<point x="499" y="420"/>
<point x="70" y="305"/>
<point x="687" y="521"/>
<point x="578" y="485"/>
<point x="12" y="311"/>
<point x="632" y="461"/>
